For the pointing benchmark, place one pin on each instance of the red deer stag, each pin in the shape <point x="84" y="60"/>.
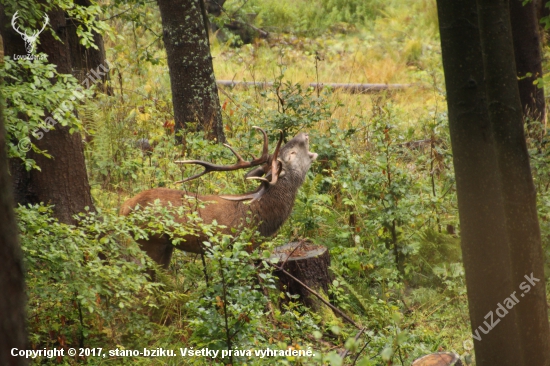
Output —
<point x="269" y="207"/>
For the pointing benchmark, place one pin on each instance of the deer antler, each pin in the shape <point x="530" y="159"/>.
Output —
<point x="14" y="25"/>
<point x="46" y="21"/>
<point x="241" y="163"/>
<point x="275" y="167"/>
<point x="266" y="183"/>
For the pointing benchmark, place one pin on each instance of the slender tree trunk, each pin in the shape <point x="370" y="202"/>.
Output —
<point x="527" y="51"/>
<point x="12" y="302"/>
<point x="194" y="90"/>
<point x="522" y="226"/>
<point x="62" y="181"/>
<point x="482" y="222"/>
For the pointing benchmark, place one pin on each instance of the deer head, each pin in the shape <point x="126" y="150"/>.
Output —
<point x="268" y="206"/>
<point x="30" y="40"/>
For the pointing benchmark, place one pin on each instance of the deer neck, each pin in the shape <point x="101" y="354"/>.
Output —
<point x="275" y="206"/>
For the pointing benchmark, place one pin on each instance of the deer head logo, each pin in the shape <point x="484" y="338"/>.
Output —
<point x="30" y="40"/>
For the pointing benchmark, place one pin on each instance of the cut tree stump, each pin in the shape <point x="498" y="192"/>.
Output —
<point x="439" y="359"/>
<point x="308" y="263"/>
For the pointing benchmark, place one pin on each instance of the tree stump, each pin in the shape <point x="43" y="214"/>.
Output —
<point x="308" y="263"/>
<point x="439" y="359"/>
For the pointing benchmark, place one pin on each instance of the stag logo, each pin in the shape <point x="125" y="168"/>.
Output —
<point x="30" y="40"/>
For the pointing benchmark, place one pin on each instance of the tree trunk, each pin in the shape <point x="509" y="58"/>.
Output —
<point x="194" y="90"/>
<point x="527" y="51"/>
<point x="14" y="45"/>
<point x="62" y="181"/>
<point x="522" y="226"/>
<point x="482" y="222"/>
<point x="83" y="59"/>
<point x="13" y="299"/>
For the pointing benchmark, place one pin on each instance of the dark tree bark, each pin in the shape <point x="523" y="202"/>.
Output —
<point x="527" y="50"/>
<point x="63" y="180"/>
<point x="14" y="45"/>
<point x="194" y="90"/>
<point x="12" y="302"/>
<point x="494" y="184"/>
<point x="519" y="195"/>
<point x="83" y="59"/>
<point x="482" y="223"/>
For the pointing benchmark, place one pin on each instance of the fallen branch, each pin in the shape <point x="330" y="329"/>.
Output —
<point x="346" y="87"/>
<point x="335" y="309"/>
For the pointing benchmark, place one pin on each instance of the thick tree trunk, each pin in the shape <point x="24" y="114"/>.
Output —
<point x="522" y="226"/>
<point x="62" y="181"/>
<point x="84" y="59"/>
<point x="527" y="51"/>
<point x="13" y="299"/>
<point x="482" y="222"/>
<point x="194" y="91"/>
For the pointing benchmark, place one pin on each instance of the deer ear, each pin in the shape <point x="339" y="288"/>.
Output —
<point x="291" y="156"/>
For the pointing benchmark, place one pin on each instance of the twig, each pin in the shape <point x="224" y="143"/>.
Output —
<point x="224" y="293"/>
<point x="345" y="352"/>
<point x="359" y="353"/>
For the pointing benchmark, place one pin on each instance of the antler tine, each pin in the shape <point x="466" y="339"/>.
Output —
<point x="265" y="150"/>
<point x="46" y="21"/>
<point x="275" y="170"/>
<point x="239" y="157"/>
<point x="14" y="25"/>
<point x="275" y="161"/>
<point x="241" y="163"/>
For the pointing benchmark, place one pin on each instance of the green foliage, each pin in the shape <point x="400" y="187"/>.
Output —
<point x="296" y="109"/>
<point x="34" y="88"/>
<point x="431" y="251"/>
<point x="75" y="298"/>
<point x="305" y="17"/>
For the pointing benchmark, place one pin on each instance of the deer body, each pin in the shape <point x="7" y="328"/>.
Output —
<point x="270" y="206"/>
